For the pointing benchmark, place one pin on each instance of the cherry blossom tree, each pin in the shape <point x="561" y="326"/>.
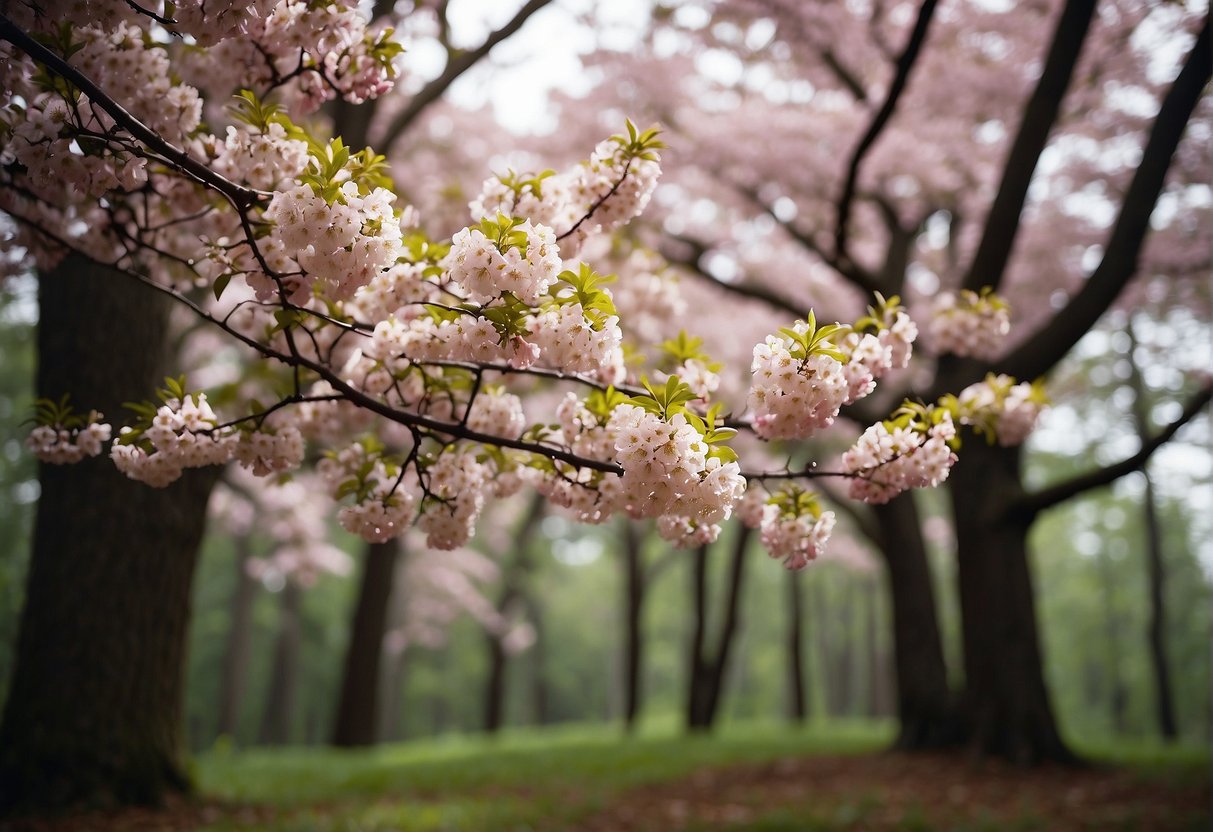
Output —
<point x="931" y="151"/>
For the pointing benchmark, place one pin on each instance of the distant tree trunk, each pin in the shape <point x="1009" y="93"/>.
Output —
<point x="494" y="690"/>
<point x="708" y="672"/>
<point x="94" y="713"/>
<point x="633" y="663"/>
<point x="358" y="705"/>
<point x="926" y="709"/>
<point x="1007" y="705"/>
<point x="512" y="593"/>
<point x="1164" y="701"/>
<point x="234" y="673"/>
<point x="278" y="718"/>
<point x="395" y="678"/>
<point x="794" y="645"/>
<point x="1118" y="698"/>
<point x="540" y="707"/>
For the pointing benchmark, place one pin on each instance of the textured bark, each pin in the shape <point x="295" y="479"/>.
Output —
<point x="1006" y="701"/>
<point x="358" y="705"/>
<point x="926" y="709"/>
<point x="798" y="702"/>
<point x="278" y="718"/>
<point x="94" y="712"/>
<point x="234" y="673"/>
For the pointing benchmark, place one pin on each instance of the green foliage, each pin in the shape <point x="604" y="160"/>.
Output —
<point x="665" y="401"/>
<point x="815" y="340"/>
<point x="685" y="348"/>
<point x="584" y="286"/>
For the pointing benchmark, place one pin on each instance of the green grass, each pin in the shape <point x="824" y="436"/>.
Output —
<point x="548" y="779"/>
<point x="525" y="779"/>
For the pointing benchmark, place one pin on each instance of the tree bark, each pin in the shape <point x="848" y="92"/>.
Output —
<point x="926" y="709"/>
<point x="1156" y="633"/>
<point x="798" y="707"/>
<point x="278" y="719"/>
<point x="708" y="671"/>
<point x="634" y="582"/>
<point x="234" y="673"/>
<point x="358" y="705"/>
<point x="94" y="713"/>
<point x="1006" y="701"/>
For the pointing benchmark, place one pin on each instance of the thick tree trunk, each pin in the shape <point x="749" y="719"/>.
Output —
<point x="357" y="707"/>
<point x="634" y="583"/>
<point x="278" y="719"/>
<point x="94" y="711"/>
<point x="1006" y="702"/>
<point x="926" y="709"/>
<point x="234" y="672"/>
<point x="798" y="705"/>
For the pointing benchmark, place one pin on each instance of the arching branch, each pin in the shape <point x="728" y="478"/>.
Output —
<point x="1032" y="504"/>
<point x="905" y="64"/>
<point x="1002" y="223"/>
<point x="458" y="64"/>
<point x="1043" y="350"/>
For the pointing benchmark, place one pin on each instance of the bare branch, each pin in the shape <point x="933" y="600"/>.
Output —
<point x="1032" y="504"/>
<point x="456" y="66"/>
<point x="1002" y="223"/>
<point x="1043" y="350"/>
<point x="905" y="64"/>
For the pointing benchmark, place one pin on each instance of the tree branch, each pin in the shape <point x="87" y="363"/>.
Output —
<point x="693" y="264"/>
<point x="456" y="66"/>
<point x="1032" y="504"/>
<point x="905" y="64"/>
<point x="1042" y="351"/>
<point x="240" y="196"/>
<point x="1002" y="223"/>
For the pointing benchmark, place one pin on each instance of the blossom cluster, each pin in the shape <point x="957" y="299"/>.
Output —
<point x="912" y="450"/>
<point x="69" y="440"/>
<point x="970" y="324"/>
<point x="797" y="385"/>
<point x="793" y="526"/>
<point x="1001" y="409"/>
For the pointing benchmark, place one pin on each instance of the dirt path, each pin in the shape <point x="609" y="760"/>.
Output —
<point x="902" y="792"/>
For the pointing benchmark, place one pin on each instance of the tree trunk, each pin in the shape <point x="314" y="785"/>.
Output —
<point x="1164" y="699"/>
<point x="708" y="672"/>
<point x="95" y="708"/>
<point x="1156" y="636"/>
<point x="234" y="673"/>
<point x="634" y="582"/>
<point x="794" y="644"/>
<point x="1006" y="702"/>
<point x="494" y="688"/>
<point x="540" y="699"/>
<point x="926" y="709"/>
<point x="278" y="719"/>
<point x="358" y="706"/>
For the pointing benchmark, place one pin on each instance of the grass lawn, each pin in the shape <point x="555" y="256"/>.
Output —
<point x="748" y="777"/>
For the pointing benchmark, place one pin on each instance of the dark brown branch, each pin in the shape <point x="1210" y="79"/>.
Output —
<point x="1032" y="504"/>
<point x="1038" y="354"/>
<point x="844" y="75"/>
<point x="240" y="196"/>
<point x="905" y="65"/>
<point x="1002" y="223"/>
<point x="456" y="66"/>
<point x="693" y="263"/>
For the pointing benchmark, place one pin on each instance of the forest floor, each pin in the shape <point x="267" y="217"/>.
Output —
<point x="746" y="780"/>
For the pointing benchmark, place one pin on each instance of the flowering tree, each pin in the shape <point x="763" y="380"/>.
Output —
<point x="912" y="150"/>
<point x="433" y="374"/>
